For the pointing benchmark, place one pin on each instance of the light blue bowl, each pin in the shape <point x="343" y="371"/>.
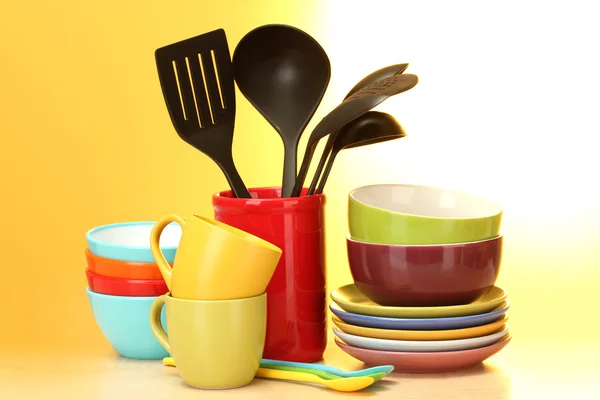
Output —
<point x="130" y="241"/>
<point x="125" y="323"/>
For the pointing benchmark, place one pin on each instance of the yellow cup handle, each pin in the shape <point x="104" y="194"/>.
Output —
<point x="156" y="324"/>
<point x="165" y="269"/>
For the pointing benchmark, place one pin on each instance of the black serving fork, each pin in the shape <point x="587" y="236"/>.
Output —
<point x="197" y="81"/>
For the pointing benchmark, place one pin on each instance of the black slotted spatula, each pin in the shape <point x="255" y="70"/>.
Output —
<point x="197" y="81"/>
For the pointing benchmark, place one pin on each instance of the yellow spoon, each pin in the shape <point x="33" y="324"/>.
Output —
<point x="342" y="384"/>
<point x="352" y="384"/>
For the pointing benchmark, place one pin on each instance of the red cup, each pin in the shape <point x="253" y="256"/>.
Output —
<point x="296" y="294"/>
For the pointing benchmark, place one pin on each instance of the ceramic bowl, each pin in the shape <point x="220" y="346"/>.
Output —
<point x="418" y="214"/>
<point x="125" y="287"/>
<point x="125" y="323"/>
<point x="130" y="241"/>
<point x="424" y="275"/>
<point x="121" y="269"/>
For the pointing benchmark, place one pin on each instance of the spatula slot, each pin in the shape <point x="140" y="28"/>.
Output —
<point x="205" y="92"/>
<point x="179" y="90"/>
<point x="187" y="63"/>
<point x="217" y="69"/>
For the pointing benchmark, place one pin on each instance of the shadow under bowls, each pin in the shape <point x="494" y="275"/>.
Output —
<point x="425" y="275"/>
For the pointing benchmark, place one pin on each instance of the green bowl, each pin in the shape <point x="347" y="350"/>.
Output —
<point x="419" y="214"/>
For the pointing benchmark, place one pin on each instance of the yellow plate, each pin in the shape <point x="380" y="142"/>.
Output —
<point x="352" y="300"/>
<point x="394" y="334"/>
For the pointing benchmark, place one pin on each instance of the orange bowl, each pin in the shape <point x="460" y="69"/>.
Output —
<point x="122" y="269"/>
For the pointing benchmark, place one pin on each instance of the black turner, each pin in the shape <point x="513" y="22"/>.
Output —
<point x="197" y="81"/>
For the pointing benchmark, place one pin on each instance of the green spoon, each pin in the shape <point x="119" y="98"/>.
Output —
<point x="377" y="376"/>
<point x="385" y="369"/>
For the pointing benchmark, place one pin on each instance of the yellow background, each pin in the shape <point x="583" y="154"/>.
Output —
<point x="507" y="106"/>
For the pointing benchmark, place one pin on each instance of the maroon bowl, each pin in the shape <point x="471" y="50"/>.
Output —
<point x="424" y="275"/>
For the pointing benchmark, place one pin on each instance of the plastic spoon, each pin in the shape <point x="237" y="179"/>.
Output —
<point x="325" y="375"/>
<point x="353" y="107"/>
<point x="284" y="73"/>
<point x="375" y="76"/>
<point x="386" y="369"/>
<point x="322" y="371"/>
<point x="370" y="128"/>
<point x="352" y="384"/>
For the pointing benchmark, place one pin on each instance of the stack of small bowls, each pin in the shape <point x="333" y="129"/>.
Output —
<point x="424" y="261"/>
<point x="124" y="281"/>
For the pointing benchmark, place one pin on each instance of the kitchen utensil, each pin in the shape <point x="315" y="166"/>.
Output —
<point x="421" y="324"/>
<point x="421" y="214"/>
<point x="121" y="269"/>
<point x="385" y="369"/>
<point x="354" y="106"/>
<point x="124" y="323"/>
<point x="284" y="73"/>
<point x="210" y="253"/>
<point x="352" y="384"/>
<point x="216" y="344"/>
<point x="351" y="299"/>
<point x="197" y="81"/>
<point x="296" y="294"/>
<point x="322" y="374"/>
<point x="424" y="275"/>
<point x="130" y="241"/>
<point x="420" y="345"/>
<point x="397" y="334"/>
<point x="382" y="73"/>
<point x="125" y="287"/>
<point x="419" y="362"/>
<point x="367" y="80"/>
<point x="370" y="128"/>
<point x="377" y="373"/>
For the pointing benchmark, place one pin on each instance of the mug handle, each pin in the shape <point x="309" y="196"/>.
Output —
<point x="165" y="269"/>
<point x="156" y="324"/>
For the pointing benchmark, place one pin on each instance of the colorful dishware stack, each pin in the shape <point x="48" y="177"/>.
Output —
<point x="124" y="281"/>
<point x="216" y="306"/>
<point x="424" y="261"/>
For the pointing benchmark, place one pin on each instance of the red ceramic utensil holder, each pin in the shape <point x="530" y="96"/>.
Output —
<point x="296" y="294"/>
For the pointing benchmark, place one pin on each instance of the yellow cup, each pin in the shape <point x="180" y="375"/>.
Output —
<point x="214" y="261"/>
<point x="216" y="344"/>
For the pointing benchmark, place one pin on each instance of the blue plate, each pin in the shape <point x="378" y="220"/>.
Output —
<point x="420" y="324"/>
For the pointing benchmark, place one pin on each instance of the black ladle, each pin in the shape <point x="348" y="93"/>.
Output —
<point x="284" y="73"/>
<point x="370" y="128"/>
<point x="353" y="107"/>
<point x="380" y="74"/>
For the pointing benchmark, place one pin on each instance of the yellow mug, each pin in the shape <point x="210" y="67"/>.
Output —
<point x="214" y="261"/>
<point x="216" y="344"/>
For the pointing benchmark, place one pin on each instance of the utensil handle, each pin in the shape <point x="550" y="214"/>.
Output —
<point x="319" y="170"/>
<point x="308" y="154"/>
<point x="289" y="167"/>
<point x="326" y="172"/>
<point x="236" y="183"/>
<point x="165" y="269"/>
<point x="287" y="375"/>
<point x="156" y="324"/>
<point x="320" y="367"/>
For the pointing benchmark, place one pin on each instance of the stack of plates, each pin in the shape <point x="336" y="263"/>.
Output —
<point x="420" y="339"/>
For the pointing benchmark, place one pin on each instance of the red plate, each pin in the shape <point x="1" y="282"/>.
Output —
<point x="125" y="287"/>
